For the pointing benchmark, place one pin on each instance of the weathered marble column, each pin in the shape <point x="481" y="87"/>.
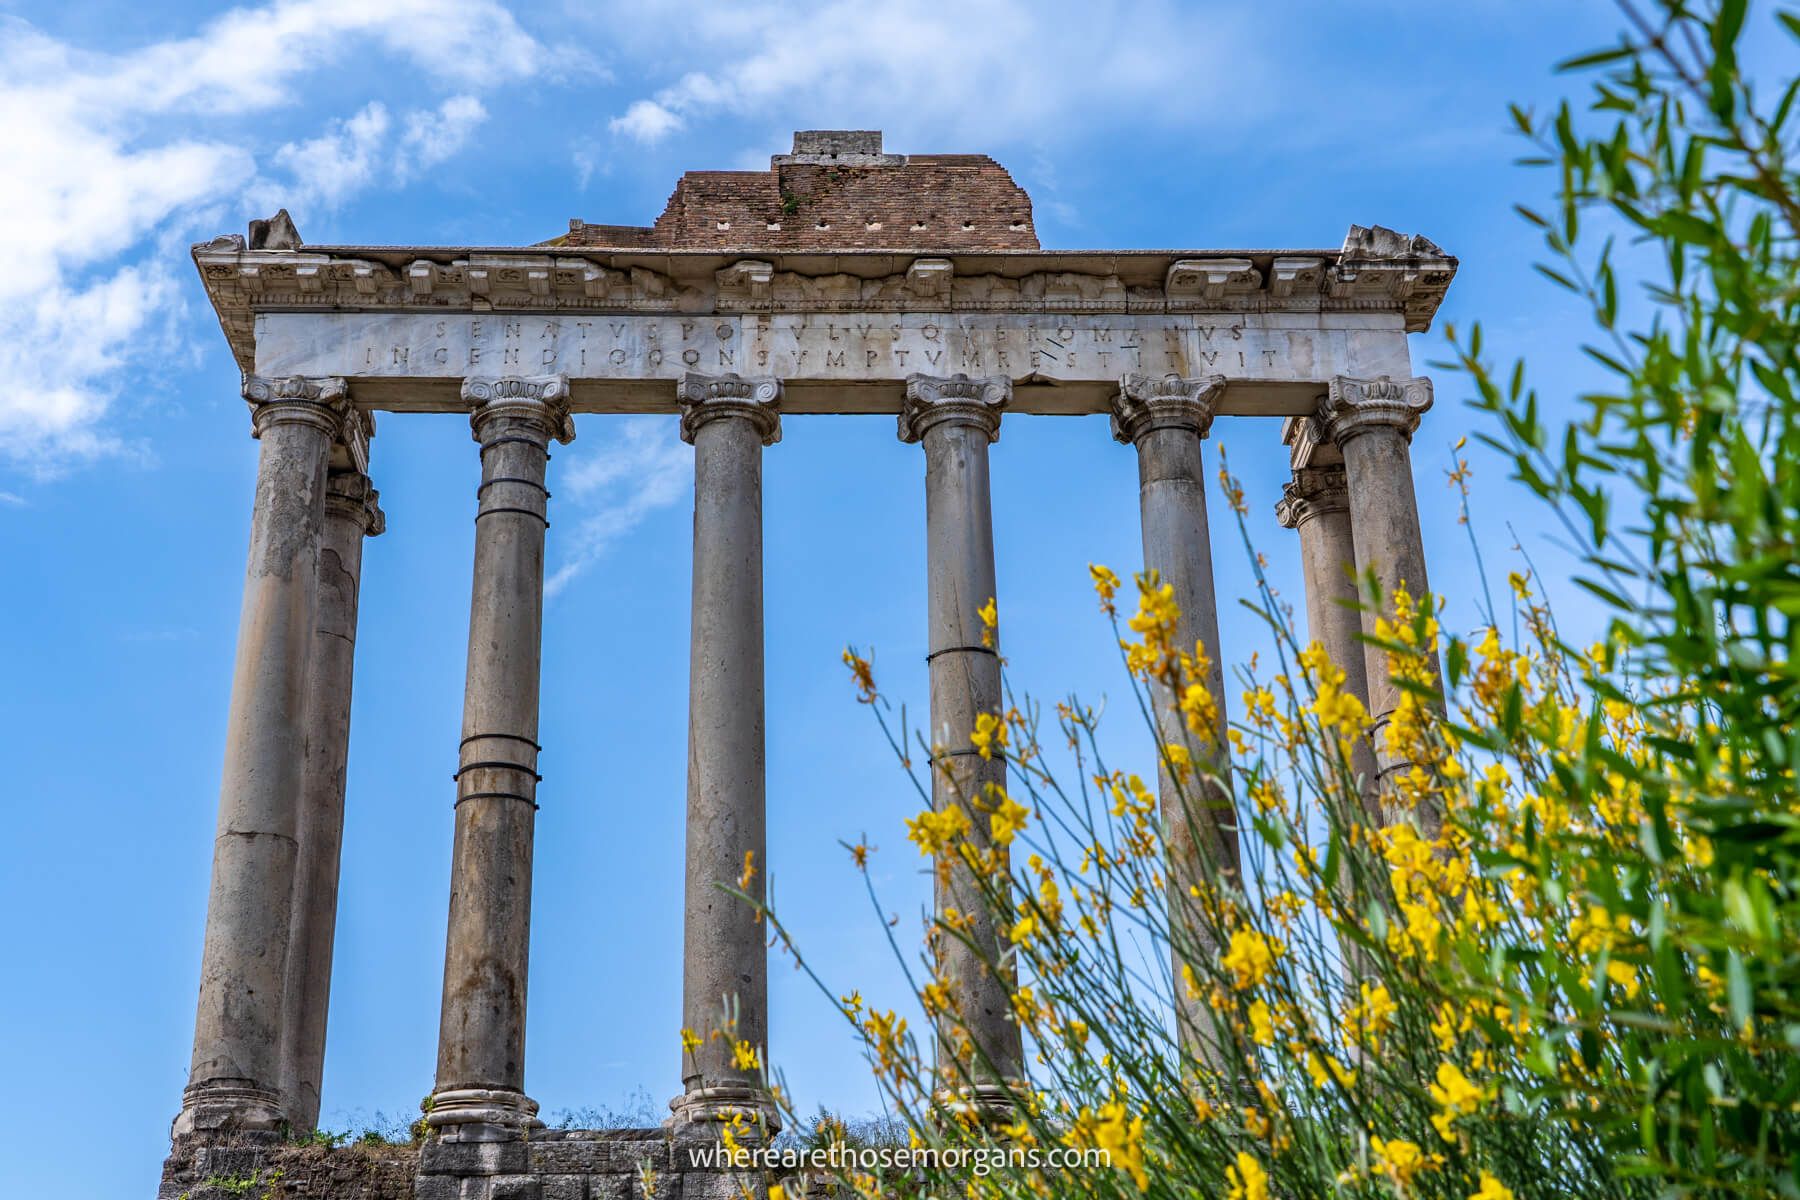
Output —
<point x="235" y="1080"/>
<point x="1166" y="419"/>
<point x="957" y="419"/>
<point x="728" y="419"/>
<point x="481" y="1037"/>
<point x="1372" y="422"/>
<point x="352" y="511"/>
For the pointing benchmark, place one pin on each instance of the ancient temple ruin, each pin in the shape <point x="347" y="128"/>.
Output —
<point x="843" y="280"/>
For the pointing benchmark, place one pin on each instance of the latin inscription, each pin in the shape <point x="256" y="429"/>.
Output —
<point x="1266" y="346"/>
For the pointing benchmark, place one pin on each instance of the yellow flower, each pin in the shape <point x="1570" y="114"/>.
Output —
<point x="1456" y="1095"/>
<point x="690" y="1041"/>
<point x="1327" y="1068"/>
<point x="1247" y="1179"/>
<point x="1250" y="958"/>
<point x="1491" y="1189"/>
<point x="749" y="871"/>
<point x="1106" y="584"/>
<point x="936" y="832"/>
<point x="1262" y="1029"/>
<point x="990" y="621"/>
<point x="1008" y="817"/>
<point x="1023" y="931"/>
<point x="1401" y="1161"/>
<point x="1370" y="1018"/>
<point x="744" y="1057"/>
<point x="989" y="733"/>
<point x="862" y="675"/>
<point x="1122" y="1137"/>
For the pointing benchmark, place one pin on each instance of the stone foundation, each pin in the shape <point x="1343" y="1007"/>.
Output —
<point x="559" y="1164"/>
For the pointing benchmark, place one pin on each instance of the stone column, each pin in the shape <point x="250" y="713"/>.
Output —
<point x="234" y="1084"/>
<point x="1166" y="419"/>
<point x="481" y="1037"/>
<point x="352" y="511"/>
<point x="957" y="419"/>
<point x="1316" y="504"/>
<point x="1372" y="422"/>
<point x="728" y="419"/>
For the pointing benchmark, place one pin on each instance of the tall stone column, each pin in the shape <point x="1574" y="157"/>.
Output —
<point x="1372" y="422"/>
<point x="1166" y="419"/>
<point x="957" y="419"/>
<point x="1316" y="505"/>
<point x="352" y="511"/>
<point x="481" y="1037"/>
<point x="235" y="1080"/>
<point x="728" y="420"/>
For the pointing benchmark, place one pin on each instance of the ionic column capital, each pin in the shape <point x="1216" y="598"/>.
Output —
<point x="1312" y="492"/>
<point x="1145" y="402"/>
<point x="935" y="400"/>
<point x="351" y="496"/>
<point x="540" y="401"/>
<point x="322" y="401"/>
<point x="705" y="398"/>
<point x="1354" y="406"/>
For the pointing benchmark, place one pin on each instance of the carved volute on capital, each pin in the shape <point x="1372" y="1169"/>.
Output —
<point x="1354" y="406"/>
<point x="1145" y="402"/>
<point x="1312" y="491"/>
<point x="321" y="401"/>
<point x="932" y="400"/>
<point x="539" y="400"/>
<point x="707" y="397"/>
<point x="350" y="496"/>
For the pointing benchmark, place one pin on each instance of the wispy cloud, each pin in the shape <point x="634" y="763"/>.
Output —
<point x="112" y="157"/>
<point x="642" y="468"/>
<point x="1025" y="69"/>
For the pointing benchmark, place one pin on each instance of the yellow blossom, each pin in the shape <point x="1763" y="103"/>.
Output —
<point x="936" y="832"/>
<point x="1401" y="1161"/>
<point x="1250" y="957"/>
<point x="1262" y="1028"/>
<point x="1008" y="817"/>
<point x="1247" y="1179"/>
<point x="1122" y="1137"/>
<point x="1491" y="1189"/>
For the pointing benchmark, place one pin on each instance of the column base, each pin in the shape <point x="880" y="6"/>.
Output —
<point x="990" y="1103"/>
<point x="228" y="1106"/>
<point x="704" y="1106"/>
<point x="482" y="1115"/>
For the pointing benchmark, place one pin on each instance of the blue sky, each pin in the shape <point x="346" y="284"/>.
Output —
<point x="128" y="131"/>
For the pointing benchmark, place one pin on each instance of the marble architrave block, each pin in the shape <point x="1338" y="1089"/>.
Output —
<point x="880" y="348"/>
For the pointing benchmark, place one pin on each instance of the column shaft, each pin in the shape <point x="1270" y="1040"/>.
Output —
<point x="351" y="513"/>
<point x="1316" y="506"/>
<point x="235" y="1080"/>
<point x="481" y="1037"/>
<point x="957" y="419"/>
<point x="1372" y="421"/>
<point x="728" y="420"/>
<point x="1166" y="419"/>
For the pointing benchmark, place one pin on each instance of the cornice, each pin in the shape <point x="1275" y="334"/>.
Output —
<point x="1376" y="271"/>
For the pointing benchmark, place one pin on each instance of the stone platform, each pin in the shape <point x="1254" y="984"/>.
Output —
<point x="555" y="1164"/>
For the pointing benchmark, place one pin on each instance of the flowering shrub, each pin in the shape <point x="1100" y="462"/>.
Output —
<point x="1557" y="953"/>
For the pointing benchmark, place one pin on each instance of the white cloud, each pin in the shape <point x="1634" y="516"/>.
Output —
<point x="646" y="121"/>
<point x="432" y="137"/>
<point x="1019" y="69"/>
<point x="341" y="161"/>
<point x="643" y="468"/>
<point x="105" y="151"/>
